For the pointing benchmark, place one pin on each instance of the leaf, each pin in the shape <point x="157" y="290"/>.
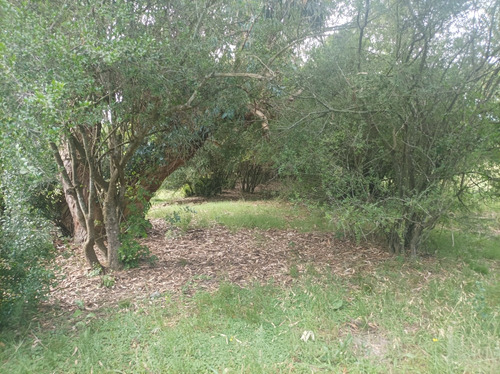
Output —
<point x="337" y="304"/>
<point x="77" y="313"/>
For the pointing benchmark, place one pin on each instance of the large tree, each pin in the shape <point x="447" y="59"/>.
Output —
<point x="123" y="92"/>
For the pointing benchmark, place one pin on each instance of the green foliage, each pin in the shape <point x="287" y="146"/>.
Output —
<point x="235" y="157"/>
<point x="107" y="281"/>
<point x="207" y="185"/>
<point x="25" y="249"/>
<point x="392" y="127"/>
<point x="131" y="252"/>
<point x="181" y="217"/>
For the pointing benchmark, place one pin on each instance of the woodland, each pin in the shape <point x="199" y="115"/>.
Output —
<point x="383" y="116"/>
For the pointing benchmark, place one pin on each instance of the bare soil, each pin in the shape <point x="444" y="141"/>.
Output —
<point x="200" y="259"/>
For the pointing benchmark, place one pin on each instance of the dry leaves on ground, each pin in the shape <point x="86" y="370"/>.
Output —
<point x="202" y="258"/>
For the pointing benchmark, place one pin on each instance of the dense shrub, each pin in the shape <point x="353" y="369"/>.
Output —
<point x="25" y="252"/>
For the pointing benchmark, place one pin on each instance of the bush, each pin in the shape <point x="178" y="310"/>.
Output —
<point x="25" y="253"/>
<point x="252" y="174"/>
<point x="131" y="252"/>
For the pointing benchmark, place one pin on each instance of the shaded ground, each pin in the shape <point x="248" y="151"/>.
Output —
<point x="202" y="258"/>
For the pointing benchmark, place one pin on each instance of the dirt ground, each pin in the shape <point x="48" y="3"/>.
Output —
<point x="200" y="259"/>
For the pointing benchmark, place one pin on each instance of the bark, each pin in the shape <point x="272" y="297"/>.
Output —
<point x="79" y="188"/>
<point x="415" y="239"/>
<point x="112" y="231"/>
<point x="78" y="225"/>
<point x="90" y="255"/>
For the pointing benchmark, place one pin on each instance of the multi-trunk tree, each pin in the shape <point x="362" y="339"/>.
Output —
<point x="395" y="116"/>
<point x="124" y="92"/>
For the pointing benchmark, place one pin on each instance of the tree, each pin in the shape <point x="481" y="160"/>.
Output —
<point x="398" y="113"/>
<point x="124" y="92"/>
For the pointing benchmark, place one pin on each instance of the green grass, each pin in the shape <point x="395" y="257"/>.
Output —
<point x="244" y="214"/>
<point x="406" y="320"/>
<point x="166" y="196"/>
<point x="440" y="314"/>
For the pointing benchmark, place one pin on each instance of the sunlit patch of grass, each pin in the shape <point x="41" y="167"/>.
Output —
<point x="165" y="196"/>
<point x="248" y="214"/>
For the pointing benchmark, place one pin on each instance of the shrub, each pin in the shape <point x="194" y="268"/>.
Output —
<point x="136" y="226"/>
<point x="25" y="253"/>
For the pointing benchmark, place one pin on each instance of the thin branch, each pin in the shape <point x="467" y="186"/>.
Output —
<point x="240" y="75"/>
<point x="324" y="32"/>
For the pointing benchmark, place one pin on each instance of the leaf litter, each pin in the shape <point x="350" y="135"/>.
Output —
<point x="201" y="259"/>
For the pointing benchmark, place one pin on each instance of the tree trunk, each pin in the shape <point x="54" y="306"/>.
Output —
<point x="112" y="225"/>
<point x="415" y="239"/>
<point x="90" y="256"/>
<point x="79" y="184"/>
<point x="79" y="233"/>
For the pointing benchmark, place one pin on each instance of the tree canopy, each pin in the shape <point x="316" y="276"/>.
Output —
<point x="399" y="115"/>
<point x="123" y="92"/>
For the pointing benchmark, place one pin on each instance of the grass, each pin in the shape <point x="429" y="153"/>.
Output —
<point x="405" y="321"/>
<point x="243" y="214"/>
<point x="436" y="315"/>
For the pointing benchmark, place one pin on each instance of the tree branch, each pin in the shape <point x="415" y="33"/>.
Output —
<point x="241" y="75"/>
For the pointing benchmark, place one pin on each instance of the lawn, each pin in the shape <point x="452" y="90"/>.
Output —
<point x="438" y="314"/>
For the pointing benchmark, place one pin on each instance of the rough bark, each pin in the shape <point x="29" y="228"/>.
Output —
<point x="112" y="231"/>
<point x="78" y="233"/>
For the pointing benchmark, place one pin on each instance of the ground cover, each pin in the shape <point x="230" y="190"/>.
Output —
<point x="250" y="298"/>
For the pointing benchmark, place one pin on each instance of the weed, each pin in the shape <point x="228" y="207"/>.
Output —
<point x="96" y="270"/>
<point x="294" y="271"/>
<point x="181" y="218"/>
<point x="107" y="281"/>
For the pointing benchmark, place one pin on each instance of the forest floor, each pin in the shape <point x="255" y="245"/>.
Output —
<point x="202" y="258"/>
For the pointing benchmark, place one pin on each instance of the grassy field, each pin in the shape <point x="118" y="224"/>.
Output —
<point x="439" y="314"/>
